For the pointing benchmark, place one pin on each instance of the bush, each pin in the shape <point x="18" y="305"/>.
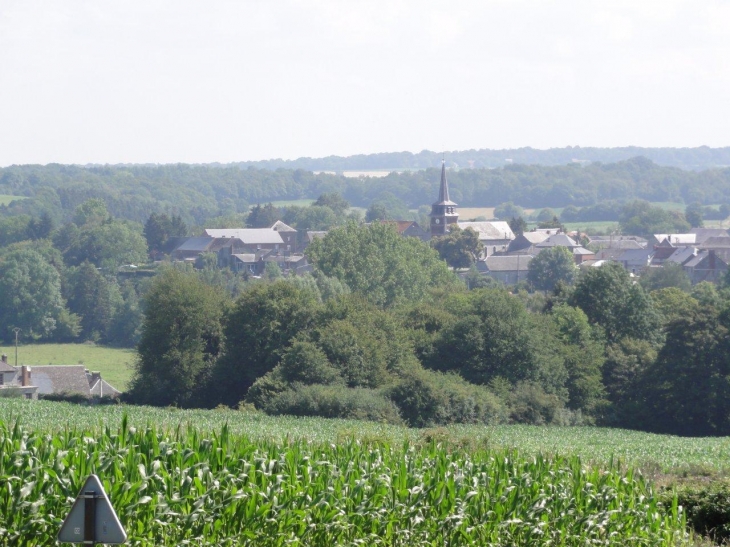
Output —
<point x="707" y="508"/>
<point x="426" y="398"/>
<point x="529" y="404"/>
<point x="334" y="402"/>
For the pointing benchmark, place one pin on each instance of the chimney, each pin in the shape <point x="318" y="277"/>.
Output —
<point x="24" y="376"/>
<point x="4" y="359"/>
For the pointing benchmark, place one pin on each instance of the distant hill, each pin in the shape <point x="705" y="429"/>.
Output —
<point x="694" y="159"/>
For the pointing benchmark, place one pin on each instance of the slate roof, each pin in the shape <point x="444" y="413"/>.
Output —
<point x="705" y="233"/>
<point x="246" y="258"/>
<point x="682" y="254"/>
<point x="444" y="188"/>
<point x="715" y="242"/>
<point x="506" y="263"/>
<point x="68" y="379"/>
<point x="617" y="242"/>
<point x="558" y="240"/>
<point x="196" y="244"/>
<point x="249" y="236"/>
<point x="5" y="367"/>
<point x="582" y="251"/>
<point x="495" y="229"/>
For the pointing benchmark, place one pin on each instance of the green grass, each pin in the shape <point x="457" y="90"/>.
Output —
<point x="113" y="363"/>
<point x="174" y="484"/>
<point x="293" y="202"/>
<point x="6" y="198"/>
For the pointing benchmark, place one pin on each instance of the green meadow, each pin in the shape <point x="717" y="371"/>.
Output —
<point x="115" y="364"/>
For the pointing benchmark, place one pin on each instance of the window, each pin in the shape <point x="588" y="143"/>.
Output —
<point x="28" y="395"/>
<point x="2" y="379"/>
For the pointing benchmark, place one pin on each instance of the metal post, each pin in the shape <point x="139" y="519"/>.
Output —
<point x="16" y="330"/>
<point x="90" y="518"/>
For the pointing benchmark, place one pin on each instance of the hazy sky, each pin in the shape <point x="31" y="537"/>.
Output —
<point x="191" y="81"/>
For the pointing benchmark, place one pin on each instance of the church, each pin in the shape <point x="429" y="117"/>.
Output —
<point x="495" y="235"/>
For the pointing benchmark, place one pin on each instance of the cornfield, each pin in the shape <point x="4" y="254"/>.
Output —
<point x="185" y="485"/>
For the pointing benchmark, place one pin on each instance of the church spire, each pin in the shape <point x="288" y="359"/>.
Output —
<point x="444" y="190"/>
<point x="442" y="212"/>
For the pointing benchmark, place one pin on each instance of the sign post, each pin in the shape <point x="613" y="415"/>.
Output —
<point x="92" y="518"/>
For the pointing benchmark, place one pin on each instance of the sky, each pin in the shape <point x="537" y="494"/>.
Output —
<point x="158" y="81"/>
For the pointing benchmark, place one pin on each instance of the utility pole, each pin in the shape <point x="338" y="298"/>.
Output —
<point x="16" y="330"/>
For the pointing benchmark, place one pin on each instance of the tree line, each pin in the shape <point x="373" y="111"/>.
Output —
<point x="199" y="193"/>
<point x="383" y="330"/>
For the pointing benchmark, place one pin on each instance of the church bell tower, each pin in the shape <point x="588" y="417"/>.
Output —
<point x="443" y="213"/>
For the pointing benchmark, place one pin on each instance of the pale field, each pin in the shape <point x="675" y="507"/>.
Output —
<point x="469" y="213"/>
<point x="6" y="198"/>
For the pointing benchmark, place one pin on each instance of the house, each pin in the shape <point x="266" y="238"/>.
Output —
<point x="525" y="242"/>
<point x="288" y="234"/>
<point x="408" y="228"/>
<point x="703" y="234"/>
<point x="192" y="247"/>
<point x="255" y="263"/>
<point x="494" y="235"/>
<point x="681" y="255"/>
<point x="707" y="265"/>
<point x="250" y="239"/>
<point x="715" y="242"/>
<point x="616" y="242"/>
<point x="37" y="381"/>
<point x="635" y="260"/>
<point x="509" y="269"/>
<point x="674" y="240"/>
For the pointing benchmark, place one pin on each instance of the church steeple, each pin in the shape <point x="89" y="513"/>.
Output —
<point x="442" y="212"/>
<point x="444" y="187"/>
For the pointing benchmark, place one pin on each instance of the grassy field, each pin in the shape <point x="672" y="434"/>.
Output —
<point x="6" y="198"/>
<point x="293" y="202"/>
<point x="113" y="363"/>
<point x="234" y="478"/>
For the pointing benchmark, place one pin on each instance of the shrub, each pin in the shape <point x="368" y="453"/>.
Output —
<point x="707" y="508"/>
<point x="529" y="404"/>
<point x="334" y="402"/>
<point x="426" y="398"/>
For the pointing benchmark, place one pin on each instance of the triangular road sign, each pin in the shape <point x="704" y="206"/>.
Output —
<point x="92" y="518"/>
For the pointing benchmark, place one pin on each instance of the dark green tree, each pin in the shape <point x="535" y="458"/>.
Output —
<point x="94" y="298"/>
<point x="30" y="294"/>
<point x="518" y="225"/>
<point x="550" y="267"/>
<point x="694" y="214"/>
<point x="263" y="217"/>
<point x="608" y="296"/>
<point x="671" y="274"/>
<point x="182" y="336"/>
<point x="334" y="201"/>
<point x="259" y="329"/>
<point x="688" y="387"/>
<point x="376" y="211"/>
<point x="459" y="248"/>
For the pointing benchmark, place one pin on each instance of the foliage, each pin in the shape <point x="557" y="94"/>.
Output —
<point x="377" y="263"/>
<point x="333" y="402"/>
<point x="670" y="274"/>
<point x="459" y="248"/>
<point x="689" y="391"/>
<point x="258" y="329"/>
<point x="181" y="339"/>
<point x="426" y="399"/>
<point x="551" y="266"/>
<point x="503" y="211"/>
<point x="30" y="294"/>
<point x="180" y="486"/>
<point x="610" y="299"/>
<point x="642" y="219"/>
